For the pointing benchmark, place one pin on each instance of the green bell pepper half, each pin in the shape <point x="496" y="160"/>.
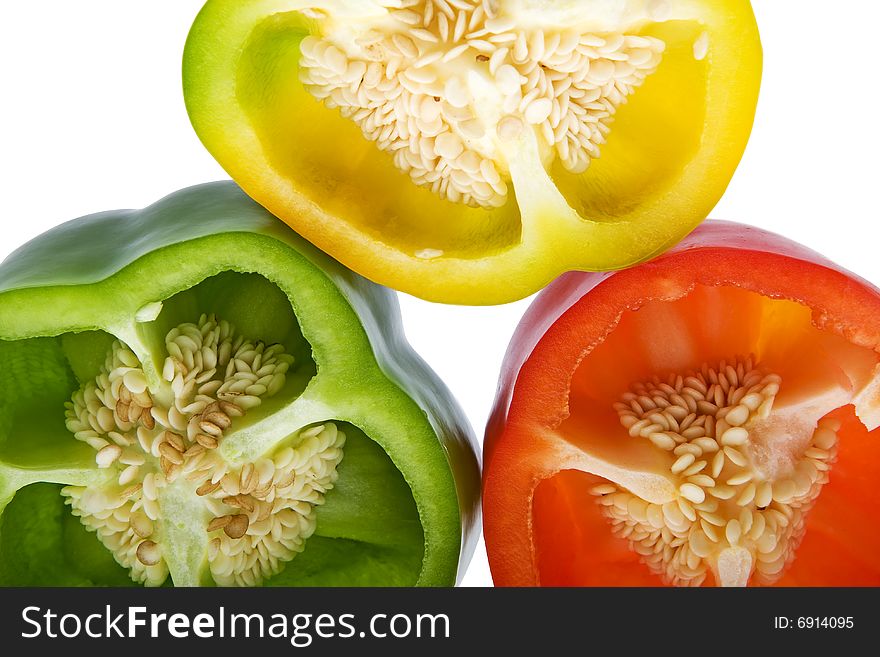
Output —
<point x="404" y="509"/>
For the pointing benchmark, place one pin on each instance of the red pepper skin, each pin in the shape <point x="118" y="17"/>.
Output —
<point x="578" y="310"/>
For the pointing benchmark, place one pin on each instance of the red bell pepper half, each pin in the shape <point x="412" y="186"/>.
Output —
<point x="707" y="418"/>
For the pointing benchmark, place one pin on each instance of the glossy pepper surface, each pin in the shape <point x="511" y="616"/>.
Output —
<point x="470" y="152"/>
<point x="193" y="394"/>
<point x="709" y="417"/>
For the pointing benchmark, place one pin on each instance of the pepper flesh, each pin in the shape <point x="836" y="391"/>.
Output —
<point x="587" y="354"/>
<point x="403" y="508"/>
<point x="675" y="141"/>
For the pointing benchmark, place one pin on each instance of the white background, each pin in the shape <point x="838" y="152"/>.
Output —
<point x="92" y="119"/>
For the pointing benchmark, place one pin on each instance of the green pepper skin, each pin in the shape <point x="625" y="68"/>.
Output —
<point x="95" y="273"/>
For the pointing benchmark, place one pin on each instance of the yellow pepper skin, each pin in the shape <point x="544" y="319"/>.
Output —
<point x="670" y="154"/>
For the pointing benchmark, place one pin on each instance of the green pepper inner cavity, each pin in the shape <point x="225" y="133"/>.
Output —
<point x="176" y="499"/>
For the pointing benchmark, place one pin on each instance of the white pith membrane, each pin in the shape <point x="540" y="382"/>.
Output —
<point x="257" y="515"/>
<point x="738" y="511"/>
<point x="449" y="87"/>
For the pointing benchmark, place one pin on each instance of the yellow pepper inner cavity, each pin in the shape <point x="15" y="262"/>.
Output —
<point x="448" y="88"/>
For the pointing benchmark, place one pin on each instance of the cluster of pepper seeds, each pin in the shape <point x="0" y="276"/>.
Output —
<point x="262" y="512"/>
<point x="408" y="87"/>
<point x="724" y="503"/>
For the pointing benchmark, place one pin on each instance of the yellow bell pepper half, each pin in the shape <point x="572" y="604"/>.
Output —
<point x="470" y="151"/>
